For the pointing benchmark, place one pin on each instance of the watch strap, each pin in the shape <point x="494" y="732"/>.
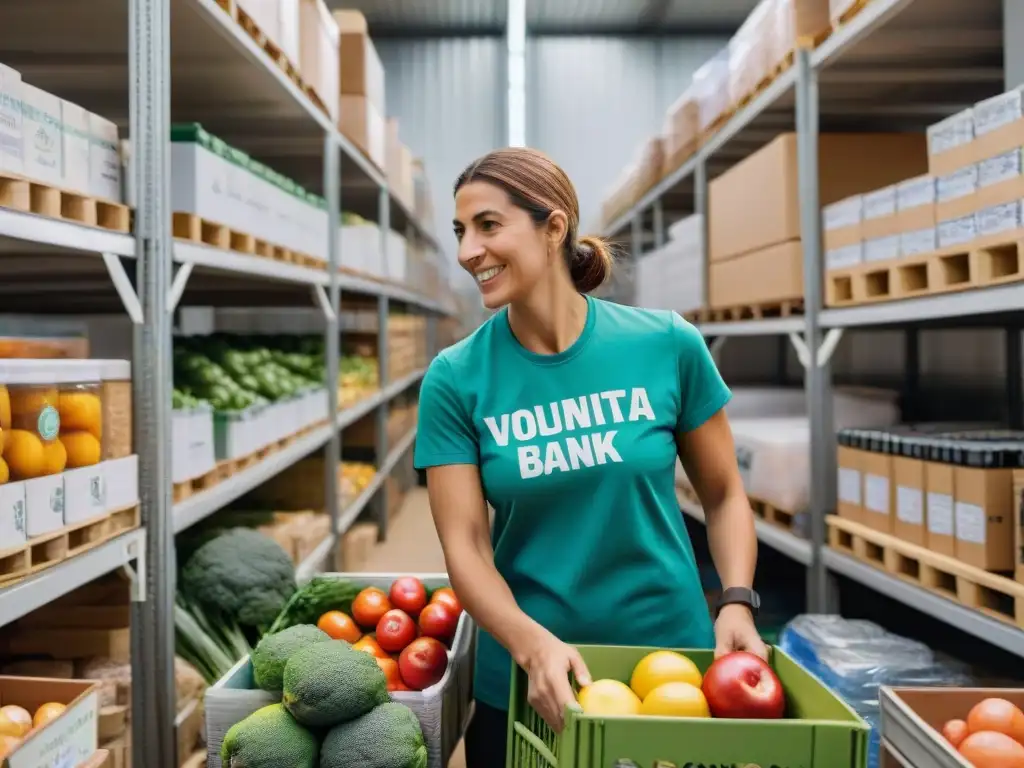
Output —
<point x="739" y="596"/>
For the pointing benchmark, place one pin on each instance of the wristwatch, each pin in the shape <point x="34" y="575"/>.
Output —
<point x="739" y="596"/>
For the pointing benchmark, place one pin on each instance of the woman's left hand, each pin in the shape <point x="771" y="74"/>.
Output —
<point x="735" y="631"/>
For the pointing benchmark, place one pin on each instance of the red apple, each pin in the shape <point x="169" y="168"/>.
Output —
<point x="409" y="594"/>
<point x="395" y="630"/>
<point x="423" y="663"/>
<point x="447" y="596"/>
<point x="742" y="685"/>
<point x="439" y="621"/>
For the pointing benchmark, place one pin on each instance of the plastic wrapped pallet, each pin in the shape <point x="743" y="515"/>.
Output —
<point x="750" y="51"/>
<point x="681" y="131"/>
<point x="711" y="89"/>
<point x="838" y="9"/>
<point x="798" y="22"/>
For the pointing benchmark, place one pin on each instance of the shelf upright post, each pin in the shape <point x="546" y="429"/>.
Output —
<point x="700" y="207"/>
<point x="332" y="334"/>
<point x="383" y="313"/>
<point x="152" y="621"/>
<point x="659" y="223"/>
<point x="817" y="378"/>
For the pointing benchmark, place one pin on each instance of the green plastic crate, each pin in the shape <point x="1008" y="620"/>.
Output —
<point x="819" y="730"/>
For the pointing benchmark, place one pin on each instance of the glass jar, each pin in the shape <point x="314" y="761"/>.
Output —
<point x="80" y="405"/>
<point x="31" y="447"/>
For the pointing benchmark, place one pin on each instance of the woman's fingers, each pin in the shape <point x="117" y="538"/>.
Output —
<point x="579" y="668"/>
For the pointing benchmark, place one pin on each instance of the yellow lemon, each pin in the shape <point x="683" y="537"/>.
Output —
<point x="675" y="700"/>
<point x="608" y="697"/>
<point x="662" y="667"/>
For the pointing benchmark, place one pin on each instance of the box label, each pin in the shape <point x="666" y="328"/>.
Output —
<point x="970" y="523"/>
<point x="849" y="486"/>
<point x="940" y="514"/>
<point x="876" y="494"/>
<point x="999" y="168"/>
<point x="909" y="505"/>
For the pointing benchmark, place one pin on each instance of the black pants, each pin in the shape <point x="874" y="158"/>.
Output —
<point x="487" y="738"/>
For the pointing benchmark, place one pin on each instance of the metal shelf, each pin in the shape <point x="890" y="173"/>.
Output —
<point x="316" y="561"/>
<point x="351" y="512"/>
<point x="779" y="326"/>
<point x="46" y="586"/>
<point x="218" y="260"/>
<point x="998" y="633"/>
<point x="790" y="545"/>
<point x="975" y="304"/>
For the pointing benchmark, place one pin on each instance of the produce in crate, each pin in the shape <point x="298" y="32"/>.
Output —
<point x="408" y="594"/>
<point x="992" y="736"/>
<point x="370" y="606"/>
<point x="742" y="685"/>
<point x="423" y="663"/>
<point x="269" y="738"/>
<point x="605" y="698"/>
<point x="329" y="683"/>
<point x="273" y="652"/>
<point x="439" y="621"/>
<point x="16" y="723"/>
<point x="339" y="626"/>
<point x="395" y="631"/>
<point x="388" y="737"/>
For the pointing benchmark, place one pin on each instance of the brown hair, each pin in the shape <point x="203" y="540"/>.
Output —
<point x="537" y="185"/>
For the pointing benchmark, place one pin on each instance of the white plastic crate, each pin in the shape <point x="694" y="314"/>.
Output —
<point x="443" y="709"/>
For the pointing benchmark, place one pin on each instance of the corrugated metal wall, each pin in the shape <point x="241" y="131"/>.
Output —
<point x="591" y="101"/>
<point x="449" y="97"/>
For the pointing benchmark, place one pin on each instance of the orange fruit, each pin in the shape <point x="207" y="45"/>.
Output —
<point x="48" y="712"/>
<point x="55" y="458"/>
<point x="675" y="700"/>
<point x="15" y="720"/>
<point x="83" y="449"/>
<point x="608" y="698"/>
<point x="369" y="606"/>
<point x="339" y="626"/>
<point x="368" y="644"/>
<point x="662" y="667"/>
<point x="81" y="411"/>
<point x="8" y="744"/>
<point x="392" y="674"/>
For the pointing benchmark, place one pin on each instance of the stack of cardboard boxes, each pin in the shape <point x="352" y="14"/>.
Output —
<point x="362" y="88"/>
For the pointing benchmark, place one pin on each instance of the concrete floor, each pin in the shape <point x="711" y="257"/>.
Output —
<point x="412" y="547"/>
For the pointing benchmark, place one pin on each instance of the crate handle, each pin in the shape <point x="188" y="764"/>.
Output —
<point x="534" y="741"/>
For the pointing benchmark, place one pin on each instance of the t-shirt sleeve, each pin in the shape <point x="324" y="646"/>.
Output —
<point x="703" y="393"/>
<point x="445" y="434"/>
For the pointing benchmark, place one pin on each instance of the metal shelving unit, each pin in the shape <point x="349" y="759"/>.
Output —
<point x="897" y="65"/>
<point x="148" y="63"/>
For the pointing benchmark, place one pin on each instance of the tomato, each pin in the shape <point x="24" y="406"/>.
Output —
<point x="369" y="606"/>
<point x="390" y="669"/>
<point x="989" y="749"/>
<point x="395" y="630"/>
<point x="423" y="663"/>
<point x="447" y="596"/>
<point x="439" y="621"/>
<point x="339" y="626"/>
<point x="743" y="685"/>
<point x="999" y="715"/>
<point x="368" y="644"/>
<point x="409" y="594"/>
<point x="955" y="731"/>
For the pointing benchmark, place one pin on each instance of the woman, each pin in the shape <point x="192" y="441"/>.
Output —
<point x="566" y="413"/>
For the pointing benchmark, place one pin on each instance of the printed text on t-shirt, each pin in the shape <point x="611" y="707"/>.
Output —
<point x="568" y="453"/>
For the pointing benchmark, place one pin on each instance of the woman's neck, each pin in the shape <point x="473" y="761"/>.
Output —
<point x="550" y="320"/>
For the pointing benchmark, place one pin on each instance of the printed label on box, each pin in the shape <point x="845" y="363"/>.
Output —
<point x="849" y="486"/>
<point x="880" y="203"/>
<point x="909" y="505"/>
<point x="914" y="193"/>
<point x="997" y="111"/>
<point x="970" y="523"/>
<point x="845" y="213"/>
<point x="882" y="248"/>
<point x="998" y="218"/>
<point x="65" y="742"/>
<point x="940" y="514"/>
<point x="999" y="168"/>
<point x="957" y="231"/>
<point x="845" y="257"/>
<point x="12" y="515"/>
<point x="876" y="494"/>
<point x="745" y="460"/>
<point x="918" y="241"/>
<point x="950" y="133"/>
<point x="958" y="184"/>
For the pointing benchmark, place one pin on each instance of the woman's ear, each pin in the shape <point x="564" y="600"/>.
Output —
<point x="557" y="228"/>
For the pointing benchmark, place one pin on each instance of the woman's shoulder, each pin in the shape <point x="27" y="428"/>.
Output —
<point x="641" y="321"/>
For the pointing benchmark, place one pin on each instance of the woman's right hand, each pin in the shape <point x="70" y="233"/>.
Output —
<point x="548" y="662"/>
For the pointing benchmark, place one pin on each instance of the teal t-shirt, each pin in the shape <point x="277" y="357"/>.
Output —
<point x="577" y="456"/>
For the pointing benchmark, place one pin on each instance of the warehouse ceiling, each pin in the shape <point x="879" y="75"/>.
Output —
<point x="462" y="17"/>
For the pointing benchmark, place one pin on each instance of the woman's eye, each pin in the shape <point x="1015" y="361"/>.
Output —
<point x="458" y="234"/>
<point x="488" y="226"/>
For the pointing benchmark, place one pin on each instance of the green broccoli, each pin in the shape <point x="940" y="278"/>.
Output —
<point x="269" y="738"/>
<point x="273" y="652"/>
<point x="387" y="737"/>
<point x="329" y="683"/>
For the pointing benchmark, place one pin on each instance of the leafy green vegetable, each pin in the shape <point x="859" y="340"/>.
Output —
<point x="317" y="596"/>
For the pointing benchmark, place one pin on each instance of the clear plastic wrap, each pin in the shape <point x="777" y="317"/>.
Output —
<point x="797" y="22"/>
<point x="711" y="89"/>
<point x="750" y="51"/>
<point x="681" y="130"/>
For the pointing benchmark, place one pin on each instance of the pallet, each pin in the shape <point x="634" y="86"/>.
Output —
<point x="697" y="316"/>
<point x="188" y="226"/>
<point x="844" y="18"/>
<point x="988" y="593"/>
<point x="48" y="550"/>
<point x="986" y="263"/>
<point x="29" y="196"/>
<point x="757" y="311"/>
<point x="771" y="514"/>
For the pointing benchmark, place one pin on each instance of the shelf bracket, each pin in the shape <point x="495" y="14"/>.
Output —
<point x="137" y="573"/>
<point x="123" y="286"/>
<point x="825" y="351"/>
<point x="320" y="297"/>
<point x="178" y="286"/>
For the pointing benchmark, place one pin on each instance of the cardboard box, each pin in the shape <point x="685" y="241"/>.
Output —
<point x="951" y="143"/>
<point x="908" y="475"/>
<point x="880" y="213"/>
<point x="756" y="203"/>
<point x="939" y="485"/>
<point x="363" y="125"/>
<point x="774" y="273"/>
<point x="319" y="41"/>
<point x="75" y="151"/>
<point x="879" y="491"/>
<point x="1018" y="521"/>
<point x="42" y="135"/>
<point x="985" y="518"/>
<point x="915" y="204"/>
<point x="680" y="132"/>
<point x="104" y="160"/>
<point x="12" y="150"/>
<point x="69" y="739"/>
<point x="956" y="194"/>
<point x="850" y="484"/>
<point x="362" y="73"/>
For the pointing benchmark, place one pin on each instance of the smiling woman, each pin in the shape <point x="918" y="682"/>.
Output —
<point x="566" y="414"/>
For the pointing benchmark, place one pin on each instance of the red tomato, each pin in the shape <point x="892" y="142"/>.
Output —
<point x="369" y="606"/>
<point x="447" y="596"/>
<point x="395" y="630"/>
<point x="989" y="749"/>
<point x="955" y="731"/>
<point x="999" y="715"/>
<point x="409" y="594"/>
<point x="439" y="621"/>
<point x="368" y="644"/>
<point x="743" y="685"/>
<point x="391" y="674"/>
<point x="423" y="663"/>
<point x="339" y="626"/>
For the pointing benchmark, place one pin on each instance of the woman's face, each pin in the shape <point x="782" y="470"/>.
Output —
<point x="499" y="245"/>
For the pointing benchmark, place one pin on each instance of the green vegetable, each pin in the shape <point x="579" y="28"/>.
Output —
<point x="329" y="683"/>
<point x="387" y="737"/>
<point x="273" y="652"/>
<point x="269" y="738"/>
<point x="315" y="598"/>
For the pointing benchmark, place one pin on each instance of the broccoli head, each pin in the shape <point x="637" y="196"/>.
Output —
<point x="243" y="574"/>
